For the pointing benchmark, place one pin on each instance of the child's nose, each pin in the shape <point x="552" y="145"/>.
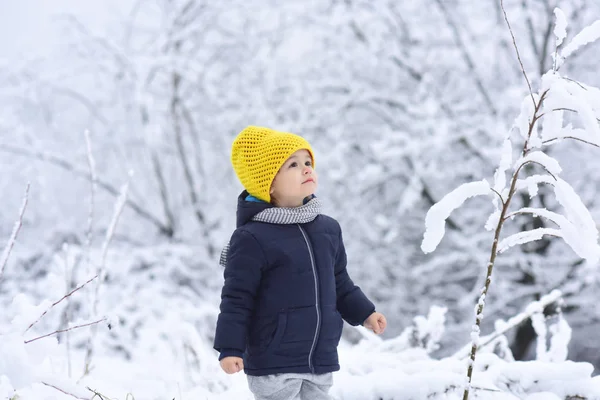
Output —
<point x="307" y="170"/>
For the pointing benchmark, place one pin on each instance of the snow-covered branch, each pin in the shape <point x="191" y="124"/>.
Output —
<point x="15" y="232"/>
<point x="577" y="226"/>
<point x="101" y="269"/>
<point x="60" y="300"/>
<point x="66" y="330"/>
<point x="504" y="326"/>
<point x="435" y="220"/>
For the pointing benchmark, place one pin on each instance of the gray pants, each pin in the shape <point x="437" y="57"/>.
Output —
<point x="291" y="386"/>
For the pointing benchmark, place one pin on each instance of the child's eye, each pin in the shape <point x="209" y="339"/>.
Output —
<point x="294" y="164"/>
<point x="308" y="163"/>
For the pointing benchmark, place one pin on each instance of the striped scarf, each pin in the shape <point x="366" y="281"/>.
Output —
<point x="283" y="215"/>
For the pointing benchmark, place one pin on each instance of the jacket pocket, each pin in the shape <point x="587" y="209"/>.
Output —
<point x="331" y="327"/>
<point x="276" y="340"/>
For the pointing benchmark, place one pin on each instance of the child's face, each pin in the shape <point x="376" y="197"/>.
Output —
<point x="295" y="180"/>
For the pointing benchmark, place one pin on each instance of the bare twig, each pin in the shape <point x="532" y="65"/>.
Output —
<point x="58" y="301"/>
<point x="183" y="158"/>
<point x="565" y="109"/>
<point x="574" y="81"/>
<point x="517" y="51"/>
<point x="96" y="393"/>
<point x="570" y="137"/>
<point x="535" y="162"/>
<point x="467" y="57"/>
<point x="499" y="195"/>
<point x="63" y="391"/>
<point x="163" y="191"/>
<point x="15" y="232"/>
<point x="65" y="330"/>
<point x="530" y="28"/>
<point x="416" y="75"/>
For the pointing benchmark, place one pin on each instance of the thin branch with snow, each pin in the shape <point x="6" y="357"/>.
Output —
<point x="66" y="330"/>
<point x="63" y="391"/>
<point x="513" y="322"/>
<point x="101" y="271"/>
<point x="61" y="299"/>
<point x="15" y="232"/>
<point x="93" y="185"/>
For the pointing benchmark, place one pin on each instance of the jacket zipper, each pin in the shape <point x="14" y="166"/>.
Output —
<point x="314" y="268"/>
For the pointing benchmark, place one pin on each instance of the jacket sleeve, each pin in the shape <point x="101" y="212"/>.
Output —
<point x="352" y="303"/>
<point x="242" y="274"/>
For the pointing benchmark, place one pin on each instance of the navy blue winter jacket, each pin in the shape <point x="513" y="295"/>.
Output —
<point x="285" y="293"/>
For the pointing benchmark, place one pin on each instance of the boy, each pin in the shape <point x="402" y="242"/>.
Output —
<point x="286" y="290"/>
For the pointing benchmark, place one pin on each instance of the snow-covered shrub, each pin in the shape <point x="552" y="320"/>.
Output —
<point x="542" y="122"/>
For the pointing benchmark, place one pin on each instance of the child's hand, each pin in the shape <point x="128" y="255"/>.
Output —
<point x="231" y="365"/>
<point x="376" y="322"/>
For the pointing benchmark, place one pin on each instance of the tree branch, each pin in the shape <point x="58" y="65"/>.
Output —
<point x="530" y="28"/>
<point x="517" y="51"/>
<point x="63" y="391"/>
<point x="65" y="330"/>
<point x="66" y="165"/>
<point x="535" y="162"/>
<point x="512" y="322"/>
<point x="467" y="57"/>
<point x="15" y="232"/>
<point x="58" y="301"/>
<point x="499" y="195"/>
<point x="570" y="137"/>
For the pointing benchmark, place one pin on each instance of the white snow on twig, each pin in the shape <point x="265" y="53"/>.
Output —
<point x="435" y="221"/>
<point x="526" y="237"/>
<point x="505" y="163"/>
<point x="560" y="29"/>
<point x="15" y="232"/>
<point x="587" y="35"/>
<point x="539" y="157"/>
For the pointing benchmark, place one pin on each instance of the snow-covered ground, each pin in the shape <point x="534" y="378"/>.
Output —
<point x="160" y="345"/>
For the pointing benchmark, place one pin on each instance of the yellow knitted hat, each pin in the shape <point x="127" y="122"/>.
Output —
<point x="258" y="153"/>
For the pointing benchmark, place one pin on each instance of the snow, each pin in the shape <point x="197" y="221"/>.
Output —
<point x="400" y="367"/>
<point x="585" y="230"/>
<point x="587" y="35"/>
<point x="525" y="237"/>
<point x="492" y="221"/>
<point x="531" y="183"/>
<point x="503" y="167"/>
<point x="559" y="344"/>
<point x="578" y="228"/>
<point x="582" y="100"/>
<point x="560" y="28"/>
<point x="523" y="120"/>
<point x="585" y="245"/>
<point x="539" y="157"/>
<point x="431" y="329"/>
<point x="435" y="219"/>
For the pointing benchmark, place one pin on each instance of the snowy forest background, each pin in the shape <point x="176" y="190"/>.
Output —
<point x="402" y="102"/>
